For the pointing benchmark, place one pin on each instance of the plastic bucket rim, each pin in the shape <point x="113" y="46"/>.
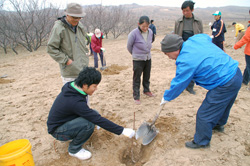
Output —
<point x="17" y="152"/>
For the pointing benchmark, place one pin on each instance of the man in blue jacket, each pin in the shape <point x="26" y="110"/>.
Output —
<point x="218" y="30"/>
<point x="70" y="117"/>
<point x="200" y="60"/>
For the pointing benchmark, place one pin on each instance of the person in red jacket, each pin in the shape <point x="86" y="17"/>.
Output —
<point x="245" y="40"/>
<point x="96" y="45"/>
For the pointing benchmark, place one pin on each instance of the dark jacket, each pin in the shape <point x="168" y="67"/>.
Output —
<point x="152" y="27"/>
<point x="218" y="30"/>
<point x="197" y="26"/>
<point x="71" y="104"/>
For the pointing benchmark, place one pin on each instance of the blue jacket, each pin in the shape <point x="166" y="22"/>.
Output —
<point x="152" y="27"/>
<point x="70" y="104"/>
<point x="202" y="61"/>
<point x="218" y="30"/>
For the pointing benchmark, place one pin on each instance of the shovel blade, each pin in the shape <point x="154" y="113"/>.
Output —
<point x="149" y="137"/>
<point x="146" y="132"/>
<point x="142" y="130"/>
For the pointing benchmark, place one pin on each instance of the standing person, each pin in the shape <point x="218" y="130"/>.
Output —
<point x="70" y="117"/>
<point x="153" y="28"/>
<point x="187" y="26"/>
<point x="96" y="44"/>
<point x="218" y="30"/>
<point x="199" y="59"/>
<point x="245" y="40"/>
<point x="239" y="31"/>
<point x="139" y="46"/>
<point x="90" y="36"/>
<point x="67" y="43"/>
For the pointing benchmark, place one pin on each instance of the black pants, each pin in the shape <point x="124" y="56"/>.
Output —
<point x="140" y="67"/>
<point x="219" y="44"/>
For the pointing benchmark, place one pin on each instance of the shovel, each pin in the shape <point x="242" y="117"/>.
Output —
<point x="147" y="131"/>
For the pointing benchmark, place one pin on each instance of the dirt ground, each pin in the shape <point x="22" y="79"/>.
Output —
<point x="32" y="82"/>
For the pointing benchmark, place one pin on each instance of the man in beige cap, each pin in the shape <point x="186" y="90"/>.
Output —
<point x="67" y="43"/>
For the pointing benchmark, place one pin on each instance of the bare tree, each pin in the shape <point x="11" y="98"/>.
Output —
<point x="115" y="19"/>
<point x="28" y="23"/>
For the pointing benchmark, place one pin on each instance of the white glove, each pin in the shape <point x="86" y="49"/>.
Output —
<point x="163" y="101"/>
<point x="212" y="36"/>
<point x="103" y="49"/>
<point x="128" y="132"/>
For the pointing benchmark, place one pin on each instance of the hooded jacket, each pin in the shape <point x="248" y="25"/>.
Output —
<point x="71" y="104"/>
<point x="65" y="44"/>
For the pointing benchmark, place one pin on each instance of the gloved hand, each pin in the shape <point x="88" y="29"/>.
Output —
<point x="128" y="132"/>
<point x="212" y="36"/>
<point x="103" y="49"/>
<point x="163" y="101"/>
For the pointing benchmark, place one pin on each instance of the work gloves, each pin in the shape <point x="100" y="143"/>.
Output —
<point x="163" y="101"/>
<point x="128" y="132"/>
<point x="103" y="49"/>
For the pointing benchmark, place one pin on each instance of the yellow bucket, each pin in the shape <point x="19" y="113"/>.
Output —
<point x="16" y="153"/>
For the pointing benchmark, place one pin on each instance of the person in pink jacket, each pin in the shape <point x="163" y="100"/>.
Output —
<point x="96" y="45"/>
<point x="245" y="40"/>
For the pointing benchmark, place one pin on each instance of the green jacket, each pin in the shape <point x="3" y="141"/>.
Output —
<point x="65" y="44"/>
<point x="197" y="26"/>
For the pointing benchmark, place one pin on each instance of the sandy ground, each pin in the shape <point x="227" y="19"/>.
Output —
<point x="33" y="81"/>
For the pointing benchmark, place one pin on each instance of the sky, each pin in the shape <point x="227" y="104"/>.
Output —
<point x="170" y="3"/>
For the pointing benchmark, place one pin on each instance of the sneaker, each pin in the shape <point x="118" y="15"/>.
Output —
<point x="150" y="94"/>
<point x="193" y="145"/>
<point x="103" y="67"/>
<point x="82" y="154"/>
<point x="138" y="102"/>
<point x="219" y="128"/>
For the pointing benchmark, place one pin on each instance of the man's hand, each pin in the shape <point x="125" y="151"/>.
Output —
<point x="69" y="62"/>
<point x="128" y="132"/>
<point x="163" y="101"/>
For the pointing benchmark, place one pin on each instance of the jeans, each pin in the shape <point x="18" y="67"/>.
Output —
<point x="246" y="74"/>
<point x="140" y="67"/>
<point x="103" y="60"/>
<point x="215" y="109"/>
<point x="78" y="130"/>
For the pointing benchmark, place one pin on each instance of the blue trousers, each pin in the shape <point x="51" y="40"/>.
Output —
<point x="103" y="61"/>
<point x="78" y="130"/>
<point x="215" y="109"/>
<point x="246" y="74"/>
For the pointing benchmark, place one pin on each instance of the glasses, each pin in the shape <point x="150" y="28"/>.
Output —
<point x="76" y="18"/>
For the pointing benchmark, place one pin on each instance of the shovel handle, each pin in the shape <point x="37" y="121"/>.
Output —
<point x="157" y="115"/>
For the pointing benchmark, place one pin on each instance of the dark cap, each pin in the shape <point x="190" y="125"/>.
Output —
<point x="171" y="43"/>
